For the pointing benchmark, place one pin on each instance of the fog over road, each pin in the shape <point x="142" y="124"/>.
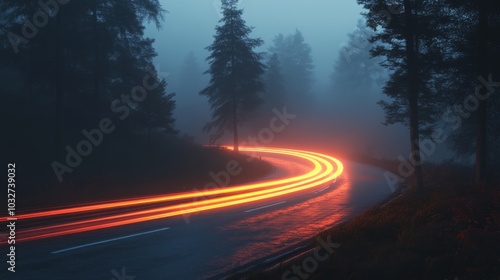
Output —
<point x="208" y="243"/>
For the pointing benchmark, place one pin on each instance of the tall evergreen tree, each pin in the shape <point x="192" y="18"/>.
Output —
<point x="84" y="56"/>
<point x="155" y="112"/>
<point x="191" y="75"/>
<point x="297" y="64"/>
<point x="355" y="68"/>
<point x="471" y="60"/>
<point x="235" y="70"/>
<point x="275" y="95"/>
<point x="410" y="51"/>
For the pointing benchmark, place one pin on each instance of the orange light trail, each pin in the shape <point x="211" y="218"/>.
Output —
<point x="180" y="196"/>
<point x="325" y="169"/>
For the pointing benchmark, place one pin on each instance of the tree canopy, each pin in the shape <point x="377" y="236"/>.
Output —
<point x="236" y="71"/>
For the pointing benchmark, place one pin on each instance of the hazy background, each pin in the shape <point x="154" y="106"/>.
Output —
<point x="341" y="118"/>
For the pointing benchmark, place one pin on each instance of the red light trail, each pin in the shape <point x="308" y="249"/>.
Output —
<point x="324" y="170"/>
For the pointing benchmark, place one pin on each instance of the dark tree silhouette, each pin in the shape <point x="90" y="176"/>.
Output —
<point x="410" y="52"/>
<point x="355" y="67"/>
<point x="297" y="64"/>
<point x="275" y="95"/>
<point x="235" y="70"/>
<point x="156" y="111"/>
<point x="471" y="60"/>
<point x="191" y="75"/>
<point x="84" y="56"/>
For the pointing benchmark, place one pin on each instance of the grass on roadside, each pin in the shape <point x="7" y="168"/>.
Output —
<point x="450" y="231"/>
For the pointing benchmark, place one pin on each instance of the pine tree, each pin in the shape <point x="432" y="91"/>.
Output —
<point x="84" y="57"/>
<point x="191" y="75"/>
<point x="155" y="112"/>
<point x="297" y="64"/>
<point x="275" y="95"/>
<point x="472" y="57"/>
<point x="411" y="54"/>
<point x="235" y="70"/>
<point x="355" y="68"/>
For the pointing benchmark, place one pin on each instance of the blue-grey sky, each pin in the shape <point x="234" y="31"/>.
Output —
<point x="190" y="24"/>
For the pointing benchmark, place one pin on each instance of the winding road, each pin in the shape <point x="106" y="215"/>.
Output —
<point x="198" y="234"/>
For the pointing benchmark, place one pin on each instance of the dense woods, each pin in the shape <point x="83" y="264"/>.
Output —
<point x="67" y="65"/>
<point x="89" y="116"/>
<point x="441" y="57"/>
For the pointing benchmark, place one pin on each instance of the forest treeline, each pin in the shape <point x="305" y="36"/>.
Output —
<point x="438" y="59"/>
<point x="79" y="58"/>
<point x="442" y="59"/>
<point x="69" y="65"/>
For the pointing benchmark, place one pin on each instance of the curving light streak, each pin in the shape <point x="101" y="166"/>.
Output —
<point x="322" y="173"/>
<point x="180" y="196"/>
<point x="197" y="204"/>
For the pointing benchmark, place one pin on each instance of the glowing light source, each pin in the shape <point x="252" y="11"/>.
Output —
<point x="325" y="169"/>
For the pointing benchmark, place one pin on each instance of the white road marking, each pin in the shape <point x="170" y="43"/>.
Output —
<point x="266" y="206"/>
<point x="323" y="189"/>
<point x="108" y="240"/>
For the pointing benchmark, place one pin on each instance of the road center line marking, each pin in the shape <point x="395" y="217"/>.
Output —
<point x="266" y="206"/>
<point x="329" y="185"/>
<point x="108" y="240"/>
<point x="323" y="189"/>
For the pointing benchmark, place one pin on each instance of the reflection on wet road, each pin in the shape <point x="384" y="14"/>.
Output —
<point x="213" y="242"/>
<point x="261" y="234"/>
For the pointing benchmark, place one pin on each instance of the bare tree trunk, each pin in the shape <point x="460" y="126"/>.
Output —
<point x="481" y="133"/>
<point x="235" y="124"/>
<point x="235" y="109"/>
<point x="413" y="92"/>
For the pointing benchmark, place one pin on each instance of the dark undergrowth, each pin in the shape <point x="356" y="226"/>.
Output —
<point x="450" y="231"/>
<point x="124" y="164"/>
<point x="130" y="167"/>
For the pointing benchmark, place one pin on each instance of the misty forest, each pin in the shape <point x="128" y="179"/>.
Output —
<point x="113" y="101"/>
